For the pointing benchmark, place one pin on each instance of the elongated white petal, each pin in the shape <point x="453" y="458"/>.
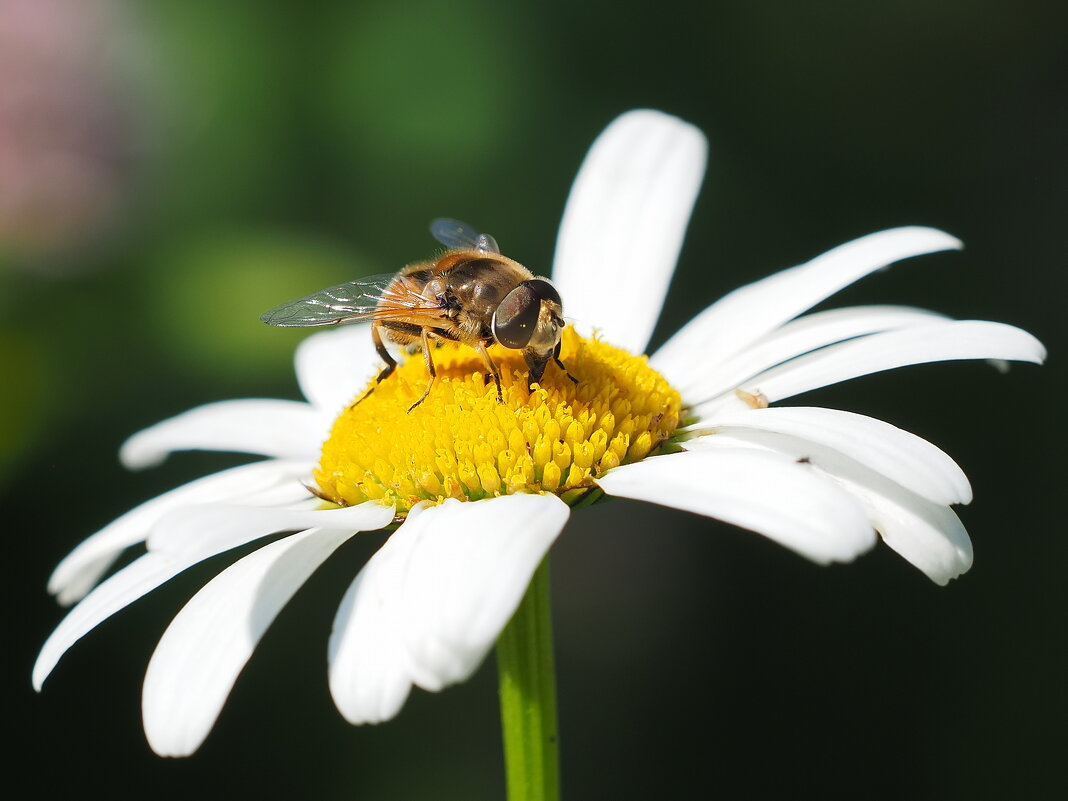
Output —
<point x="273" y="481"/>
<point x="277" y="428"/>
<point x="957" y="339"/>
<point x="624" y="224"/>
<point x="467" y="577"/>
<point x="764" y="492"/>
<point x="207" y="644"/>
<point x="196" y="528"/>
<point x="429" y="605"/>
<point x="369" y="675"/>
<point x="926" y="534"/>
<point x="117" y="592"/>
<point x="747" y="314"/>
<point x="334" y="366"/>
<point x="902" y="457"/>
<point x="204" y="532"/>
<point x="708" y="375"/>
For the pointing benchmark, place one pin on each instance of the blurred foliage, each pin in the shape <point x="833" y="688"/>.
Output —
<point x="209" y="291"/>
<point x="24" y="406"/>
<point x="224" y="157"/>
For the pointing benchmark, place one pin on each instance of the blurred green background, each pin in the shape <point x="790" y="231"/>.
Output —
<point x="170" y="169"/>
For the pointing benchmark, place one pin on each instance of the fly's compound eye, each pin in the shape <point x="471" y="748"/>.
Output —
<point x="517" y="317"/>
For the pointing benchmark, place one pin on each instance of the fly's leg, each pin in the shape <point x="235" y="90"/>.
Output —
<point x="391" y="363"/>
<point x="486" y="360"/>
<point x="424" y="335"/>
<point x="560" y="364"/>
<point x="387" y="357"/>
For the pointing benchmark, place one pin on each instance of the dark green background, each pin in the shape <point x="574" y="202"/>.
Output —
<point x="259" y="151"/>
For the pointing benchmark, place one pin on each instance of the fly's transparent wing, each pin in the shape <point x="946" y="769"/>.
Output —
<point x="379" y="297"/>
<point x="456" y="234"/>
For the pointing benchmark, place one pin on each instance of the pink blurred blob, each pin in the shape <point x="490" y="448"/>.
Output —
<point x="63" y="142"/>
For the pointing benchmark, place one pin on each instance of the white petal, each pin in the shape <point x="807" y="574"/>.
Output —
<point x="467" y="577"/>
<point x="196" y="529"/>
<point x="278" y="428"/>
<point x="207" y="645"/>
<point x="902" y="457"/>
<point x="708" y="375"/>
<point x="430" y="604"/>
<point x="369" y="675"/>
<point x="928" y="535"/>
<point x="761" y="491"/>
<point x="272" y="481"/>
<point x="334" y="366"/>
<point x="624" y="224"/>
<point x="190" y="538"/>
<point x="119" y="591"/>
<point x="956" y="339"/>
<point x="747" y="314"/>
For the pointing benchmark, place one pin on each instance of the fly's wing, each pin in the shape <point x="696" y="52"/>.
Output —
<point x="379" y="297"/>
<point x="456" y="234"/>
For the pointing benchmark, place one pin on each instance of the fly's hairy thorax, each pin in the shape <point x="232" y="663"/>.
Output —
<point x="465" y="291"/>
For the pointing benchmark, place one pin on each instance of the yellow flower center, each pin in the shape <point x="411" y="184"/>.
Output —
<point x="461" y="442"/>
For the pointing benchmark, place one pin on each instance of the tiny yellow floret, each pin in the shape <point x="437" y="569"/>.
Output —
<point x="461" y="442"/>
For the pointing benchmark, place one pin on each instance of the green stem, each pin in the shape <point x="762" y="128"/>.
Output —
<point x="527" y="681"/>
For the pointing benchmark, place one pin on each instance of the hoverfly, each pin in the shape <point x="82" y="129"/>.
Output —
<point x="471" y="294"/>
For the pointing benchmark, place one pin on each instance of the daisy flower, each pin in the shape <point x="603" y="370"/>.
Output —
<point x="477" y="490"/>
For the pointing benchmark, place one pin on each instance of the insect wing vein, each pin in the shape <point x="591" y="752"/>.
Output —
<point x="376" y="297"/>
